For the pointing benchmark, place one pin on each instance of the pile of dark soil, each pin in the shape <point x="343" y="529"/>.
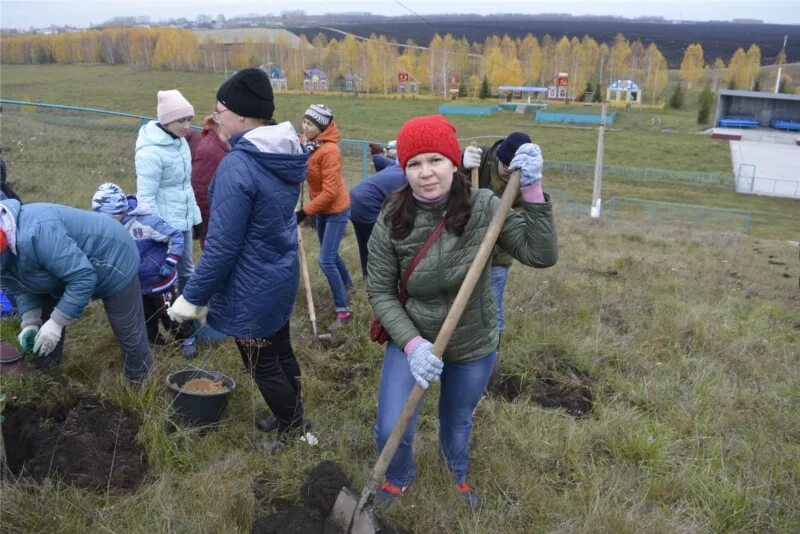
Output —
<point x="86" y="443"/>
<point x="319" y="494"/>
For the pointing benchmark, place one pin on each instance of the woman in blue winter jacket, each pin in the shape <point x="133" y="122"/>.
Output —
<point x="55" y="260"/>
<point x="160" y="248"/>
<point x="248" y="276"/>
<point x="164" y="172"/>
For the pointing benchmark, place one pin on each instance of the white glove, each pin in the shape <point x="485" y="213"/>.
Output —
<point x="48" y="337"/>
<point x="425" y="367"/>
<point x="472" y="157"/>
<point x="528" y="159"/>
<point x="183" y="310"/>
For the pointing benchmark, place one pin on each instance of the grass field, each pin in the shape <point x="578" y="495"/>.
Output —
<point x="686" y="339"/>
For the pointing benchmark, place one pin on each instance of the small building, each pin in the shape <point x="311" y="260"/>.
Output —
<point x="623" y="92"/>
<point x="517" y="93"/>
<point x="558" y="91"/>
<point x="346" y="83"/>
<point x="276" y="77"/>
<point x="751" y="109"/>
<point x="315" y="80"/>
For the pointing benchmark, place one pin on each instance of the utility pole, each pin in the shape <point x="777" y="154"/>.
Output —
<point x="780" y="67"/>
<point x="598" y="167"/>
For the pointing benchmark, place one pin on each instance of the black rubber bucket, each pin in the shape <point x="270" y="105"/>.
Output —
<point x="199" y="409"/>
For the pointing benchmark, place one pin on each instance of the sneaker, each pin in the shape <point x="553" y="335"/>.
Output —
<point x="267" y="425"/>
<point x="189" y="348"/>
<point x="388" y="494"/>
<point x="342" y="318"/>
<point x="468" y="495"/>
<point x="274" y="446"/>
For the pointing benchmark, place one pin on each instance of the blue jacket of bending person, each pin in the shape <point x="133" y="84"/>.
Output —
<point x="68" y="253"/>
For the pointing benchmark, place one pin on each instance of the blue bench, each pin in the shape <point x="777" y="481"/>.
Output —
<point x="785" y="124"/>
<point x="739" y="122"/>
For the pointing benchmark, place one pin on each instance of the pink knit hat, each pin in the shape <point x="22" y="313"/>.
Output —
<point x="172" y="106"/>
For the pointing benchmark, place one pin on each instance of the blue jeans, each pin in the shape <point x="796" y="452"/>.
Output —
<point x="186" y="263"/>
<point x="330" y="230"/>
<point x="461" y="389"/>
<point x="499" y="278"/>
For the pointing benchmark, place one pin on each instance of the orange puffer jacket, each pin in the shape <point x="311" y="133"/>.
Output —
<point x="325" y="179"/>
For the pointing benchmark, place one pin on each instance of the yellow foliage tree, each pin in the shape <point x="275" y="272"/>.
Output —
<point x="692" y="64"/>
<point x="530" y="59"/>
<point x="753" y="65"/>
<point x="738" y="69"/>
<point x="655" y="72"/>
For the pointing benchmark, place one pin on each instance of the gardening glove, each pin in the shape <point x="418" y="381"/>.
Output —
<point x="183" y="311"/>
<point x="301" y="215"/>
<point x="26" y="337"/>
<point x="472" y="157"/>
<point x="425" y="367"/>
<point x="170" y="263"/>
<point x="48" y="337"/>
<point x="528" y="159"/>
<point x="166" y="270"/>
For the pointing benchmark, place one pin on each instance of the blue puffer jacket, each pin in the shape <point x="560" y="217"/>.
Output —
<point x="367" y="197"/>
<point x="70" y="254"/>
<point x="164" y="177"/>
<point x="156" y="241"/>
<point x="248" y="274"/>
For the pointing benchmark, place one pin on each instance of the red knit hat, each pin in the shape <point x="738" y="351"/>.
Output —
<point x="431" y="133"/>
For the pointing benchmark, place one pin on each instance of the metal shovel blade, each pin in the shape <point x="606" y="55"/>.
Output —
<point x="345" y="518"/>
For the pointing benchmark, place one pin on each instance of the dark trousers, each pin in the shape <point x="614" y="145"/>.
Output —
<point x="155" y="312"/>
<point x="275" y="370"/>
<point x="125" y="315"/>
<point x="362" y="231"/>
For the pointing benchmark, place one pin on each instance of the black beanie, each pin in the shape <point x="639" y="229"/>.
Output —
<point x="248" y="93"/>
<point x="506" y="150"/>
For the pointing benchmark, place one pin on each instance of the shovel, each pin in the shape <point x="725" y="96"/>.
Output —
<point x="306" y="279"/>
<point x="307" y="283"/>
<point x="349" y="516"/>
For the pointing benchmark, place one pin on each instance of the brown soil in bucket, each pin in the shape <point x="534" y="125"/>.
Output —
<point x="204" y="386"/>
<point x="86" y="443"/>
<point x="319" y="493"/>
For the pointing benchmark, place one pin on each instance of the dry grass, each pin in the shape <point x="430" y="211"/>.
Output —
<point x="688" y="340"/>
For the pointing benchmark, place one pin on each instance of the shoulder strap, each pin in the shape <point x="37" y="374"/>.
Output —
<point x="419" y="255"/>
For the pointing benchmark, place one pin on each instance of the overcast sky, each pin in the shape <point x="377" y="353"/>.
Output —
<point x="24" y="14"/>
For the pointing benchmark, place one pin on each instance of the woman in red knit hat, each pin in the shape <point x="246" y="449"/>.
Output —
<point x="428" y="151"/>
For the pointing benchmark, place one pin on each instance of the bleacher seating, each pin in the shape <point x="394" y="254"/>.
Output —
<point x="785" y="124"/>
<point x="739" y="122"/>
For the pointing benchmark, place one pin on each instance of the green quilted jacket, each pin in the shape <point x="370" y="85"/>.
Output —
<point x="528" y="235"/>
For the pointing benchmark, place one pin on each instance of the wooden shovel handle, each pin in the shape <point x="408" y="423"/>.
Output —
<point x="306" y="279"/>
<point x="450" y="322"/>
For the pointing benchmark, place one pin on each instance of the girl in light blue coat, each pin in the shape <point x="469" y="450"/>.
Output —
<point x="164" y="171"/>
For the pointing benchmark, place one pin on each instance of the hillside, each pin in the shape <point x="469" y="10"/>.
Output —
<point x="719" y="39"/>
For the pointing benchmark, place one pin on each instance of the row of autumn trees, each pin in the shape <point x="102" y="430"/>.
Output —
<point x="376" y="62"/>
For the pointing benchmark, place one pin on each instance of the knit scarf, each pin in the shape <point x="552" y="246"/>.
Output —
<point x="311" y="146"/>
